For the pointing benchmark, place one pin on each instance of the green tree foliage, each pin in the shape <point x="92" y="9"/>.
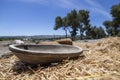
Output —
<point x="113" y="26"/>
<point x="72" y="18"/>
<point x="65" y="25"/>
<point x="101" y="32"/>
<point x="96" y="33"/>
<point x="108" y="26"/>
<point x="61" y="23"/>
<point x="115" y="11"/>
<point x="83" y="16"/>
<point x="73" y="22"/>
<point x="69" y="22"/>
<point x="58" y="23"/>
<point x="118" y="34"/>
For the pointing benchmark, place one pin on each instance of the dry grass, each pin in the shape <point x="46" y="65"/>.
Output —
<point x="101" y="61"/>
<point x="49" y="42"/>
<point x="67" y="41"/>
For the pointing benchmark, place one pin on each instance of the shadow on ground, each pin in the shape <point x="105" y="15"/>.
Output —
<point x="22" y="67"/>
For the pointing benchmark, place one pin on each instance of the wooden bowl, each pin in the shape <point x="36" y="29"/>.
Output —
<point x="43" y="54"/>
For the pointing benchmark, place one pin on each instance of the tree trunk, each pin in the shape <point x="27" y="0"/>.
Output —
<point x="65" y="33"/>
<point x="81" y="35"/>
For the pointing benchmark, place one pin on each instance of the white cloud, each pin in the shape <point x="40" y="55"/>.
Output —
<point x="91" y="5"/>
<point x="31" y="1"/>
<point x="96" y="7"/>
<point x="88" y="4"/>
<point x="100" y="11"/>
<point x="67" y="4"/>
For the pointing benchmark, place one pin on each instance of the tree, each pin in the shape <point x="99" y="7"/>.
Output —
<point x="65" y="25"/>
<point x="88" y="31"/>
<point x="72" y="18"/>
<point x="61" y="23"/>
<point x="101" y="32"/>
<point x="96" y="32"/>
<point x="108" y="26"/>
<point x="58" y="23"/>
<point x="73" y="21"/>
<point x="115" y="12"/>
<point x="69" y="21"/>
<point x="113" y="26"/>
<point x="83" y="16"/>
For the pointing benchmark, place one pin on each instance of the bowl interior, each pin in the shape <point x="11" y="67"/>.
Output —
<point x="49" y="48"/>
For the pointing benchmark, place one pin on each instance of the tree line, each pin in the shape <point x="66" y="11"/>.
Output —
<point x="78" y="21"/>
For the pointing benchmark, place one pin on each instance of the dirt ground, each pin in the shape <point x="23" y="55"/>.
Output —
<point x="100" y="61"/>
<point x="4" y="50"/>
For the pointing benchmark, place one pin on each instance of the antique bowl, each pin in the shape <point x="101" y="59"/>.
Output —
<point x="43" y="54"/>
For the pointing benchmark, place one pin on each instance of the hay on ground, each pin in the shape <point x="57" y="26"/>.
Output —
<point x="58" y="42"/>
<point x="100" y="62"/>
<point x="49" y="42"/>
<point x="66" y="41"/>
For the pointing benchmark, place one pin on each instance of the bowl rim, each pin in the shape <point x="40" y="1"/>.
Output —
<point x="13" y="48"/>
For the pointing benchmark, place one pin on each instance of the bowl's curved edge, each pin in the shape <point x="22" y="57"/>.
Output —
<point x="13" y="48"/>
<point x="43" y="58"/>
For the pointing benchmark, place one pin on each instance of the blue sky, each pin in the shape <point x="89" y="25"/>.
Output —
<point x="37" y="17"/>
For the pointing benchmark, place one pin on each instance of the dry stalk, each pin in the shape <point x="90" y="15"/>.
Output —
<point x="101" y="62"/>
